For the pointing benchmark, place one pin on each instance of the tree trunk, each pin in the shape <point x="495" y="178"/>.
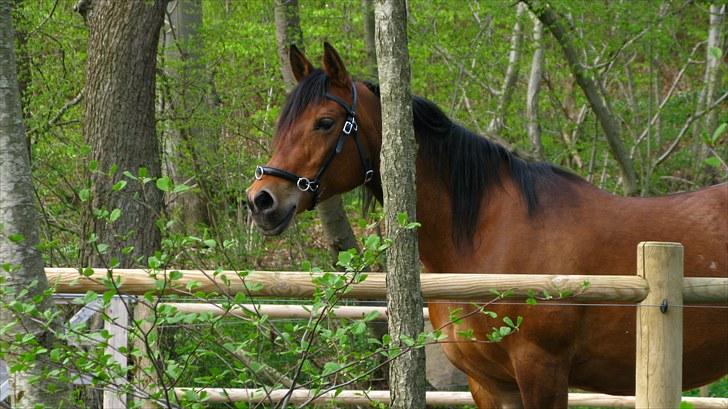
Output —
<point x="711" y="80"/>
<point x="187" y="145"/>
<point x="371" y="47"/>
<point x="534" y="86"/>
<point x="19" y="240"/>
<point x="288" y="32"/>
<point x="120" y="127"/>
<point x="598" y="102"/>
<point x="334" y="221"/>
<point x="399" y="149"/>
<point x="509" y="81"/>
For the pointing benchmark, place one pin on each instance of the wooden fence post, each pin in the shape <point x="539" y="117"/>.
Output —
<point x="117" y="325"/>
<point x="660" y="326"/>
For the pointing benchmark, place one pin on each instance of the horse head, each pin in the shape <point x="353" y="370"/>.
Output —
<point x="327" y="142"/>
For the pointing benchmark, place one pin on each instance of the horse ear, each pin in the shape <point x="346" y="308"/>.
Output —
<point x="334" y="67"/>
<point x="300" y="65"/>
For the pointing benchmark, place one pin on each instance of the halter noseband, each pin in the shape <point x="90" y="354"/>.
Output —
<point x="312" y="185"/>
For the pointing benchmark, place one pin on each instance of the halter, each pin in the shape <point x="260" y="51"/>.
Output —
<point x="312" y="185"/>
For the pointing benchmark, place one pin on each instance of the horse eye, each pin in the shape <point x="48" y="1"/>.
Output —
<point x="324" y="124"/>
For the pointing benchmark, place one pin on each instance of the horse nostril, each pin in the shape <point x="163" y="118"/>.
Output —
<point x="264" y="201"/>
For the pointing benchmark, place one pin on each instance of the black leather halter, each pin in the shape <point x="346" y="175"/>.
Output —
<point x="350" y="128"/>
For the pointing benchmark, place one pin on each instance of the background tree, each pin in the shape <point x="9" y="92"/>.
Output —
<point x="189" y="141"/>
<point x="399" y="150"/>
<point x="119" y="126"/>
<point x="596" y="98"/>
<point x="22" y="279"/>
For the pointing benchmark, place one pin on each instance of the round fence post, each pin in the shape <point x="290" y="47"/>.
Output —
<point x="660" y="326"/>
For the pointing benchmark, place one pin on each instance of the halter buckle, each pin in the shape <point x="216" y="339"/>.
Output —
<point x="306" y="185"/>
<point x="350" y="125"/>
<point x="259" y="172"/>
<point x="368" y="175"/>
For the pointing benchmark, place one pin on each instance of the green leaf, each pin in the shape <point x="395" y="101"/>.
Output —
<point x="16" y="237"/>
<point x="211" y="243"/>
<point x="718" y="132"/>
<point x="164" y="184"/>
<point x="330" y="367"/>
<point x="84" y="195"/>
<point x="713" y="162"/>
<point x="118" y="186"/>
<point x="115" y="214"/>
<point x="715" y="52"/>
<point x="175" y="275"/>
<point x="180" y="188"/>
<point x="345" y="258"/>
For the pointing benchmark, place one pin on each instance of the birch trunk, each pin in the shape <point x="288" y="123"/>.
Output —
<point x="399" y="149"/>
<point x="597" y="100"/>
<point x="509" y="82"/>
<point x="338" y="231"/>
<point x="711" y="80"/>
<point x="120" y="128"/>
<point x="534" y="86"/>
<point x="18" y="220"/>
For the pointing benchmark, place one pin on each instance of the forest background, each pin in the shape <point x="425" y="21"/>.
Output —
<point x="658" y="66"/>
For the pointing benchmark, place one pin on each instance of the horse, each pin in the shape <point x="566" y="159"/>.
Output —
<point x="483" y="209"/>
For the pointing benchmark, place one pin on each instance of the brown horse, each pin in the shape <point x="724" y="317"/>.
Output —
<point x="484" y="210"/>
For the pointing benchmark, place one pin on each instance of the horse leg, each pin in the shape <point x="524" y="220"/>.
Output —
<point x="543" y="381"/>
<point x="489" y="394"/>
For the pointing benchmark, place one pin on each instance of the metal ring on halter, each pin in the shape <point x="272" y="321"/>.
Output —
<point x="305" y="185"/>
<point x="259" y="172"/>
<point x="350" y="126"/>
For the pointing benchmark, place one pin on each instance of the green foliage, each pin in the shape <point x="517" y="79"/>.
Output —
<point x="635" y="56"/>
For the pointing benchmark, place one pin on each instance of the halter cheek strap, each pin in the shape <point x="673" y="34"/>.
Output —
<point x="350" y="128"/>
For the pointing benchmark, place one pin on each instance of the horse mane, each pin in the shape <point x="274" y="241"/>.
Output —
<point x="469" y="164"/>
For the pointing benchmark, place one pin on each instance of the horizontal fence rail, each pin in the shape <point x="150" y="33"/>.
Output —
<point x="435" y="286"/>
<point x="280" y="311"/>
<point x="363" y="397"/>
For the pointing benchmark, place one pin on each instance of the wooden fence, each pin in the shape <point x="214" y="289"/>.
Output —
<point x="659" y="280"/>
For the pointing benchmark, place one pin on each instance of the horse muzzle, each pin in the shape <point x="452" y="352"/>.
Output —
<point x="270" y="214"/>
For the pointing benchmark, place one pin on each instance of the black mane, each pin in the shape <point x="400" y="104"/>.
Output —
<point x="469" y="165"/>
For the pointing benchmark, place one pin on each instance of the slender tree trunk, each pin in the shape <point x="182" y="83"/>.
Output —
<point x="288" y="32"/>
<point x="334" y="221"/>
<point x="18" y="242"/>
<point x="598" y="102"/>
<point x="120" y="128"/>
<point x="371" y="47"/>
<point x="711" y="80"/>
<point x="187" y="146"/>
<point x="534" y="86"/>
<point x="399" y="149"/>
<point x="509" y="81"/>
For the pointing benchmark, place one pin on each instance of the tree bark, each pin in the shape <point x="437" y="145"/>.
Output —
<point x="288" y="32"/>
<point x="370" y="42"/>
<point x="711" y="80"/>
<point x="19" y="240"/>
<point x="534" y="86"/>
<point x="509" y="81"/>
<point x="120" y="127"/>
<point x="187" y="146"/>
<point x="597" y="101"/>
<point x="338" y="231"/>
<point x="399" y="149"/>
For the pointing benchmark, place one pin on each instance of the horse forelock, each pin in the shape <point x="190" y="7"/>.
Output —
<point x="310" y="91"/>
